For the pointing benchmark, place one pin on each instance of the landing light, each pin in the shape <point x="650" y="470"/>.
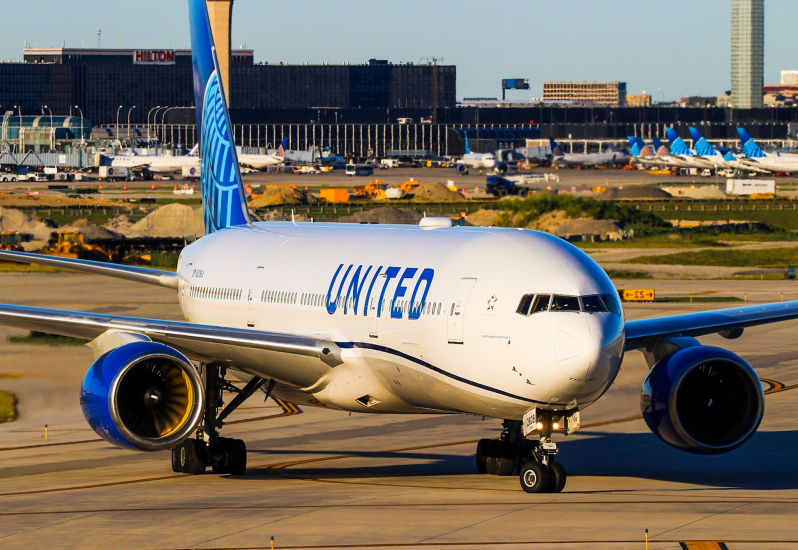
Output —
<point x="539" y="425"/>
<point x="555" y="426"/>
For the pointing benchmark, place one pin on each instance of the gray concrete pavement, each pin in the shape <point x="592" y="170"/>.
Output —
<point x="321" y="479"/>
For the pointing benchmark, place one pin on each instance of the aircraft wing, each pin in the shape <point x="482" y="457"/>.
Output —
<point x="131" y="273"/>
<point x="646" y="332"/>
<point x="246" y="348"/>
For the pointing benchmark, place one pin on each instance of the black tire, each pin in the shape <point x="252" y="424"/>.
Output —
<point x="491" y="452"/>
<point x="177" y="467"/>
<point x="192" y="457"/>
<point x="523" y="193"/>
<point x="558" y="477"/>
<point x="503" y="192"/>
<point x="505" y="461"/>
<point x="482" y="447"/>
<point x="230" y="457"/>
<point x="535" y="477"/>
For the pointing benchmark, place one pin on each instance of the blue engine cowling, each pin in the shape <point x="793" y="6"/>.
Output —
<point x="703" y="400"/>
<point x="143" y="396"/>
<point x="461" y="169"/>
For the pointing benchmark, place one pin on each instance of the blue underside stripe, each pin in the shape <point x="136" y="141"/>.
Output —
<point x="391" y="351"/>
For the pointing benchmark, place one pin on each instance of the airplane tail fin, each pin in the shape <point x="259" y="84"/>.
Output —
<point x="555" y="149"/>
<point x="467" y="148"/>
<point x="750" y="148"/>
<point x="678" y="146"/>
<point x="283" y="146"/>
<point x="634" y="147"/>
<point x="194" y="151"/>
<point x="700" y="144"/>
<point x="224" y="200"/>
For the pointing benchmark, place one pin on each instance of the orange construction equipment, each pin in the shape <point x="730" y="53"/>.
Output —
<point x="72" y="244"/>
<point x="409" y="185"/>
<point x="9" y="240"/>
<point x="374" y="190"/>
<point x="334" y="195"/>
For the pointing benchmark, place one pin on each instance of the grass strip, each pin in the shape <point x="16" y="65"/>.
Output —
<point x="781" y="258"/>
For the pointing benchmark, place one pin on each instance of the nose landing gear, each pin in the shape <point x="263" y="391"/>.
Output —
<point x="533" y="460"/>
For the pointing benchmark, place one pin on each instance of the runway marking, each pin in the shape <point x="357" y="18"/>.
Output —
<point x="703" y="545"/>
<point x="776" y="387"/>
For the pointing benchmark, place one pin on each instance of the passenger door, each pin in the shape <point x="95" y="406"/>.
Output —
<point x="253" y="286"/>
<point x="457" y="310"/>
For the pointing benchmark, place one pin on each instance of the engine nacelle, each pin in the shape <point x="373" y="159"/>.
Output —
<point x="502" y="168"/>
<point x="143" y="396"/>
<point x="461" y="169"/>
<point x="703" y="400"/>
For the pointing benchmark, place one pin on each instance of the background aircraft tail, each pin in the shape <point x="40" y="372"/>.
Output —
<point x="678" y="146"/>
<point x="283" y="146"/>
<point x="701" y="145"/>
<point x="634" y="147"/>
<point x="555" y="149"/>
<point x="224" y="201"/>
<point x="467" y="148"/>
<point x="750" y="148"/>
<point x="660" y="147"/>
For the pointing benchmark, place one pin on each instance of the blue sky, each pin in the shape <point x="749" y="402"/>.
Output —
<point x="680" y="47"/>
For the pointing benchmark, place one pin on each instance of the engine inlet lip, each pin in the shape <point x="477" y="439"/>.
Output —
<point x="192" y="420"/>
<point x="690" y="439"/>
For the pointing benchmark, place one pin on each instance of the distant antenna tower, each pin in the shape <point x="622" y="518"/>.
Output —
<point x="99" y="39"/>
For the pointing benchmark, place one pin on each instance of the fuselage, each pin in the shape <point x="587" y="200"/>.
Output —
<point x="590" y="159"/>
<point x="157" y="164"/>
<point x="774" y="162"/>
<point x="427" y="320"/>
<point x="259" y="162"/>
<point x="479" y="160"/>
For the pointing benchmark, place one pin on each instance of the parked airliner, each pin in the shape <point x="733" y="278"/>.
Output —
<point x="260" y="162"/>
<point x="506" y="323"/>
<point x="158" y="164"/>
<point x="475" y="160"/>
<point x="581" y="160"/>
<point x="756" y="158"/>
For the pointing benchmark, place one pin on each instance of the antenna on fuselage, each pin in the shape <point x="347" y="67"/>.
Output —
<point x="292" y="217"/>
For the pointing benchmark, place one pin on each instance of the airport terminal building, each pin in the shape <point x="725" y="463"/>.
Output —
<point x="99" y="81"/>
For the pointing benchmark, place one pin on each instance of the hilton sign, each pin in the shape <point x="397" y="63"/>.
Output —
<point x="154" y="57"/>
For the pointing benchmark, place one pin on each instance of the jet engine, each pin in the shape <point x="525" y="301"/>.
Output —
<point x="703" y="400"/>
<point x="143" y="396"/>
<point x="462" y="169"/>
<point x="502" y="168"/>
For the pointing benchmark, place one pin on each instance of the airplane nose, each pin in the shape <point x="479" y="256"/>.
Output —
<point x="577" y="347"/>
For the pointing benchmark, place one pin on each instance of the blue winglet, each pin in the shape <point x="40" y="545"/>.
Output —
<point x="223" y="197"/>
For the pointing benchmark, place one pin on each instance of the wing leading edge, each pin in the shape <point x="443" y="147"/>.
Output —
<point x="130" y="273"/>
<point x="252" y="350"/>
<point x="645" y="332"/>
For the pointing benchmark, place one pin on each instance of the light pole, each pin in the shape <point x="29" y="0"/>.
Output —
<point x="19" y="110"/>
<point x="148" y="121"/>
<point x="52" y="130"/>
<point x="128" y="125"/>
<point x="81" y="123"/>
<point x="117" y="123"/>
<point x="163" y="122"/>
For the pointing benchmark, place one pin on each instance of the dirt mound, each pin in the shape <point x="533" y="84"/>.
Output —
<point x="92" y="231"/>
<point x="55" y="201"/>
<point x="279" y="216"/>
<point x="385" y="215"/>
<point x="435" y="192"/>
<point x="483" y="218"/>
<point x="172" y="220"/>
<point x="697" y="191"/>
<point x="279" y="195"/>
<point x="34" y="233"/>
<point x="549" y="221"/>
<point x="121" y="225"/>
<point x="636" y="192"/>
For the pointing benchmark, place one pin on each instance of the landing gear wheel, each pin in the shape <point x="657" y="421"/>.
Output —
<point x="189" y="457"/>
<point x="230" y="457"/>
<point x="482" y="447"/>
<point x="558" y="477"/>
<point x="500" y="458"/>
<point x="535" y="477"/>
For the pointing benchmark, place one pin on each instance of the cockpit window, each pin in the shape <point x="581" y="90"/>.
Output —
<point x="541" y="303"/>
<point x="612" y="303"/>
<point x="526" y="303"/>
<point x="565" y="303"/>
<point x="593" y="304"/>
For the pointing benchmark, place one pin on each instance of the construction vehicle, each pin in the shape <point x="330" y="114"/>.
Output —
<point x="375" y="190"/>
<point x="10" y="240"/>
<point x="409" y="185"/>
<point x="72" y="244"/>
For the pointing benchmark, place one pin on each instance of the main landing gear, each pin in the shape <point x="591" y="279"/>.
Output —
<point x="532" y="460"/>
<point x="223" y="455"/>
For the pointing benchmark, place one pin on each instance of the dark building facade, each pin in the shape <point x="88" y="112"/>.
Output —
<point x="100" y="81"/>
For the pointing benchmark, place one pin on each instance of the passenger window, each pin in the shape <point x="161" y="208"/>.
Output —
<point x="525" y="304"/>
<point x="541" y="303"/>
<point x="593" y="304"/>
<point x="565" y="303"/>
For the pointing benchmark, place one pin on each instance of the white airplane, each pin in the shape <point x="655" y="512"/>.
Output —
<point x="159" y="164"/>
<point x="573" y="160"/>
<point x="505" y="323"/>
<point x="475" y="160"/>
<point x="772" y="162"/>
<point x="260" y="162"/>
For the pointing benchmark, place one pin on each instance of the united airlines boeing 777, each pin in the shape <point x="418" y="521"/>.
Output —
<point x="506" y="323"/>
